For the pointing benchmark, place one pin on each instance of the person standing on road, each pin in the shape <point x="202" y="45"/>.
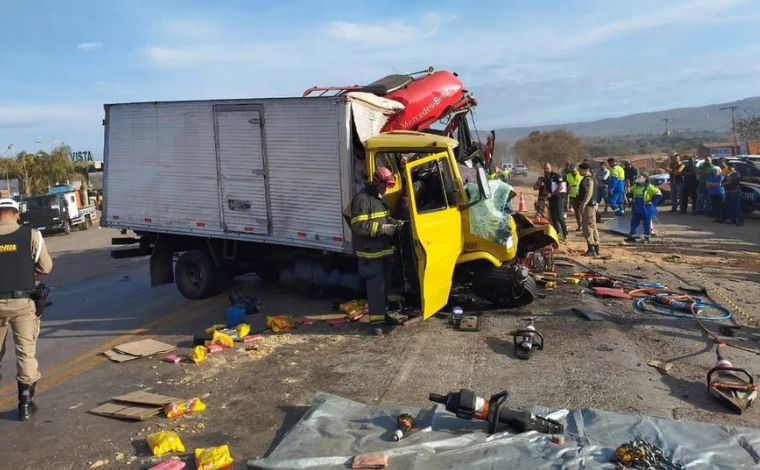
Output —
<point x="631" y="174"/>
<point x="717" y="193"/>
<point x="587" y="204"/>
<point x="734" y="212"/>
<point x="602" y="178"/>
<point x="543" y="186"/>
<point x="22" y="256"/>
<point x="573" y="178"/>
<point x="689" y="186"/>
<point x="616" y="187"/>
<point x="373" y="231"/>
<point x="645" y="198"/>
<point x="704" y="170"/>
<point x="557" y="199"/>
<point x="676" y="180"/>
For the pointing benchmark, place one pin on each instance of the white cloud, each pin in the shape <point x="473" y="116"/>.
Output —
<point x="392" y="32"/>
<point x="691" y="13"/>
<point x="89" y="46"/>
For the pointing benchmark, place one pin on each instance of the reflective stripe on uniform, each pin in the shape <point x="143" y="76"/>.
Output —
<point x="375" y="254"/>
<point x="376" y="318"/>
<point x="375" y="228"/>
<point x="365" y="217"/>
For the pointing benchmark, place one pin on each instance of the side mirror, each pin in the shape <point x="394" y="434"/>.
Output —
<point x="485" y="190"/>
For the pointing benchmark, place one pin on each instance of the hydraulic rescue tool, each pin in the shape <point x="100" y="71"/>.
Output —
<point x="466" y="405"/>
<point x="732" y="385"/>
<point x="527" y="340"/>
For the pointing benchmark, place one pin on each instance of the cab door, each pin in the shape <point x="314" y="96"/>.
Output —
<point x="436" y="227"/>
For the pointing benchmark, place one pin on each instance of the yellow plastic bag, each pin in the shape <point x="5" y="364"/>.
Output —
<point x="242" y="330"/>
<point x="223" y="340"/>
<point x="179" y="408"/>
<point x="213" y="458"/>
<point x="164" y="442"/>
<point x="211" y="329"/>
<point x="198" y="354"/>
<point x="279" y="323"/>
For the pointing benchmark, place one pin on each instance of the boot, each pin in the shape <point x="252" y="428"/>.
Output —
<point x="26" y="406"/>
<point x="590" y="251"/>
<point x="631" y="238"/>
<point x="596" y="249"/>
<point x="646" y="240"/>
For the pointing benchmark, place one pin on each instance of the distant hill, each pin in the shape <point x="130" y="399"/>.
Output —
<point x="692" y="119"/>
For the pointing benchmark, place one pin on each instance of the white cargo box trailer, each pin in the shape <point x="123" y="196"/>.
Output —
<point x="277" y="170"/>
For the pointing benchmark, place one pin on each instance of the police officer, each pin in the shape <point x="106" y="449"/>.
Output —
<point x="373" y="231"/>
<point x="587" y="206"/>
<point x="22" y="256"/>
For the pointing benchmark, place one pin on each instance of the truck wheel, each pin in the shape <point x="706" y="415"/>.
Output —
<point x="197" y="276"/>
<point x="84" y="225"/>
<point x="66" y="228"/>
<point x="507" y="286"/>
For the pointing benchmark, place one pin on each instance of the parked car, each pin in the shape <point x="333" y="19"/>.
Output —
<point x="662" y="181"/>
<point x="519" y="169"/>
<point x="749" y="168"/>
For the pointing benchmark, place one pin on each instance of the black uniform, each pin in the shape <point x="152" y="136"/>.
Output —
<point x="375" y="251"/>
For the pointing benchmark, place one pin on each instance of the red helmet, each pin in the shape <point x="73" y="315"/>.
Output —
<point x="383" y="177"/>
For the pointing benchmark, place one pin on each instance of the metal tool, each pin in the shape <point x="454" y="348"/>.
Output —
<point x="466" y="405"/>
<point x="405" y="425"/>
<point x="733" y="386"/>
<point x="527" y="340"/>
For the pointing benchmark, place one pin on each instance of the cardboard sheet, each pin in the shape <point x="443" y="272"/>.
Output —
<point x="144" y="347"/>
<point x="125" y="411"/>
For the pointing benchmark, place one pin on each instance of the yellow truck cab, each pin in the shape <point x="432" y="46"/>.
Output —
<point x="432" y="194"/>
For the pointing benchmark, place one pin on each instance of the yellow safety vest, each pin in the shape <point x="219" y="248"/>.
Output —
<point x="573" y="183"/>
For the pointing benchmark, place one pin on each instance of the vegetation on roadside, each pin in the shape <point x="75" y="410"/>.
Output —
<point x="38" y="171"/>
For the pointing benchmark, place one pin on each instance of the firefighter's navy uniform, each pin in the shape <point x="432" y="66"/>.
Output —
<point x="22" y="254"/>
<point x="369" y="213"/>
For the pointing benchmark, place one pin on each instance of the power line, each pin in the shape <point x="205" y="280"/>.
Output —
<point x="667" y="132"/>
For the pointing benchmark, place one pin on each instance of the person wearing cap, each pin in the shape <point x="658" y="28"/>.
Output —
<point x="676" y="180"/>
<point x="573" y="178"/>
<point x="373" y="229"/>
<point x="586" y="203"/>
<point x="645" y="198"/>
<point x="23" y="256"/>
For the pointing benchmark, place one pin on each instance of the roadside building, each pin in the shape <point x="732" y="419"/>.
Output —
<point x="717" y="150"/>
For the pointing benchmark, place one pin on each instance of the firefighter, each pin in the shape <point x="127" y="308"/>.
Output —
<point x="22" y="256"/>
<point x="373" y="230"/>
<point x="645" y="198"/>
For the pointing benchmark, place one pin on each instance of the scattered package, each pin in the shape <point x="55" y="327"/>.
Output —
<point x="198" y="354"/>
<point x="171" y="464"/>
<point x="137" y="349"/>
<point x="370" y="461"/>
<point x="278" y="323"/>
<point x="223" y="339"/>
<point x="183" y="407"/>
<point x="642" y="454"/>
<point x="173" y="358"/>
<point x="354" y="307"/>
<point x="213" y="458"/>
<point x="164" y="442"/>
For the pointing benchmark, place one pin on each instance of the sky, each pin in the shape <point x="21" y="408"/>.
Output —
<point x="527" y="62"/>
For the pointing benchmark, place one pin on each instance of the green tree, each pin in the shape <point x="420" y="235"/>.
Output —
<point x="749" y="127"/>
<point x="557" y="147"/>
<point x="26" y="164"/>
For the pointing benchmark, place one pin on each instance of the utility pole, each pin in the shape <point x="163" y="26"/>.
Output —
<point x="7" y="173"/>
<point x="733" y="125"/>
<point x="667" y="132"/>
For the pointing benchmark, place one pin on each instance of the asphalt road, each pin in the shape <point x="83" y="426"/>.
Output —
<point x="254" y="398"/>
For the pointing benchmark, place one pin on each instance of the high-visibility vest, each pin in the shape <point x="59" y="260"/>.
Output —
<point x="573" y="183"/>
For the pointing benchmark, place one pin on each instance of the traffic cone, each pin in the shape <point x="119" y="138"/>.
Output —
<point x="521" y="205"/>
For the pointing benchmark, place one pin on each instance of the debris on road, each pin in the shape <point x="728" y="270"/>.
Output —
<point x="137" y="349"/>
<point x="164" y="442"/>
<point x="404" y="425"/>
<point x="642" y="454"/>
<point x="733" y="386"/>
<point x="183" y="407"/>
<point x="99" y="463"/>
<point x="135" y="406"/>
<point x="278" y="323"/>
<point x="171" y="464"/>
<point x="213" y="458"/>
<point x="369" y="461"/>
<point x="588" y="314"/>
<point x="661" y="365"/>
<point x="198" y="354"/>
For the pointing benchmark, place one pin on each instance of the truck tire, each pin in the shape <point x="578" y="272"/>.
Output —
<point x="84" y="225"/>
<point x="507" y="286"/>
<point x="197" y="277"/>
